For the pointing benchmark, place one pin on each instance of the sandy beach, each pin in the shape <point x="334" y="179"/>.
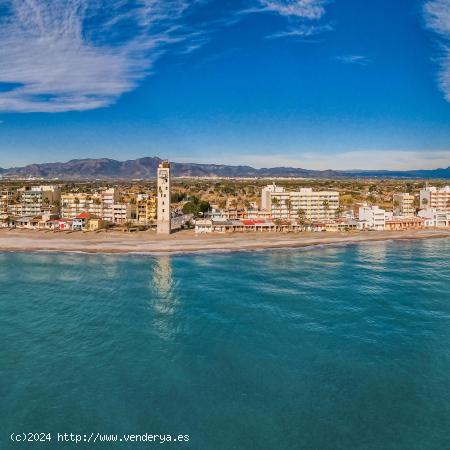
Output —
<point x="188" y="241"/>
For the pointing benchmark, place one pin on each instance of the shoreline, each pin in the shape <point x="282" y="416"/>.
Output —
<point x="148" y="243"/>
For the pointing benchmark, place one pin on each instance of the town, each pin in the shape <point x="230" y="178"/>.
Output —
<point x="223" y="206"/>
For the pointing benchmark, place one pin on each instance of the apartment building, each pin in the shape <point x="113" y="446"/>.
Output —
<point x="432" y="197"/>
<point x="6" y="198"/>
<point x="146" y="209"/>
<point x="99" y="204"/>
<point x="266" y="193"/>
<point x="313" y="206"/>
<point x="372" y="218"/>
<point x="404" y="205"/>
<point x="123" y="213"/>
<point x="35" y="200"/>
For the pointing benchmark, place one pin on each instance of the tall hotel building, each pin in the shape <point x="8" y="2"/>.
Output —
<point x="163" y="221"/>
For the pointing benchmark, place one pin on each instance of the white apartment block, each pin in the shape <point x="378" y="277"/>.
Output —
<point x="266" y="192"/>
<point x="315" y="206"/>
<point x="435" y="218"/>
<point x="404" y="205"/>
<point x="434" y="198"/>
<point x="372" y="218"/>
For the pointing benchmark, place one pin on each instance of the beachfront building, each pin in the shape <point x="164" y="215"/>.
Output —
<point x="401" y="223"/>
<point x="99" y="204"/>
<point x="146" y="209"/>
<point x="305" y="204"/>
<point x="35" y="200"/>
<point x="95" y="224"/>
<point x="164" y="217"/>
<point x="432" y="197"/>
<point x="371" y="218"/>
<point x="434" y="218"/>
<point x="6" y="198"/>
<point x="123" y="213"/>
<point x="266" y="194"/>
<point x="404" y="205"/>
<point x="81" y="221"/>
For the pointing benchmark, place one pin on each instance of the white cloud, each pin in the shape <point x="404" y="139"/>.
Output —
<point x="76" y="55"/>
<point x="304" y="16"/>
<point x="64" y="55"/>
<point x="354" y="59"/>
<point x="306" y="9"/>
<point x="437" y="19"/>
<point x="302" y="31"/>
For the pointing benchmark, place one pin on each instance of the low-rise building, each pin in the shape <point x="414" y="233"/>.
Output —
<point x="434" y="218"/>
<point x="400" y="223"/>
<point x="80" y="222"/>
<point x="95" y="224"/>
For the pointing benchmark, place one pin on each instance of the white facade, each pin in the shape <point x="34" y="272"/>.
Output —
<point x="164" y="218"/>
<point x="372" y="218"/>
<point x="265" y="194"/>
<point x="435" y="218"/>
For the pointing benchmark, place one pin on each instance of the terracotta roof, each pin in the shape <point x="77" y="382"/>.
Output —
<point x="84" y="215"/>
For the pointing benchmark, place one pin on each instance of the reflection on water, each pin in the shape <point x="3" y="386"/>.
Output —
<point x="163" y="299"/>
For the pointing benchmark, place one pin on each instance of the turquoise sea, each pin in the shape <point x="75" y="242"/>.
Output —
<point x="330" y="348"/>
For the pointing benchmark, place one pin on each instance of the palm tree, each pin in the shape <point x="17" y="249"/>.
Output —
<point x="77" y="203"/>
<point x="301" y="217"/>
<point x="288" y="204"/>
<point x="326" y="206"/>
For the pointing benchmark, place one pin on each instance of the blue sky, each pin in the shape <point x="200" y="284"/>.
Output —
<point x="320" y="84"/>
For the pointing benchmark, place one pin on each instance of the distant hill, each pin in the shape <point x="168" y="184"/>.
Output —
<point x="145" y="168"/>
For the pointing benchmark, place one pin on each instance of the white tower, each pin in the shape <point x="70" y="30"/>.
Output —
<point x="163" y="213"/>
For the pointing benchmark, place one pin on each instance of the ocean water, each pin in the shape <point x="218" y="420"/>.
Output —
<point x="332" y="348"/>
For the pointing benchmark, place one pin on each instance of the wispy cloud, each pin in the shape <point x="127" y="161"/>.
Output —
<point x="77" y="55"/>
<point x="301" y="31"/>
<point x="304" y="16"/>
<point x="65" y="55"/>
<point x="306" y="9"/>
<point x="437" y="19"/>
<point x="354" y="59"/>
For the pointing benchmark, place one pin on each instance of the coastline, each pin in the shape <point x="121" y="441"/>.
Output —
<point x="188" y="242"/>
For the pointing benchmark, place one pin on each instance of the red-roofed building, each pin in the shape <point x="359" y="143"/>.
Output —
<point x="80" y="222"/>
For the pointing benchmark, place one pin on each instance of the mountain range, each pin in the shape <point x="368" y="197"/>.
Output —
<point x="145" y="168"/>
